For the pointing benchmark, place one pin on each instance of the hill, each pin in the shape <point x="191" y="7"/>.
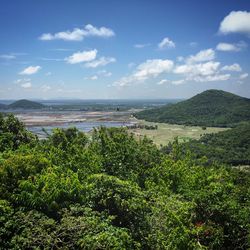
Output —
<point x="25" y="104"/>
<point x="3" y="106"/>
<point x="210" y="108"/>
<point x="231" y="146"/>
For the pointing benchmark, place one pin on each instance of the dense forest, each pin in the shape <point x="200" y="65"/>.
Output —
<point x="111" y="191"/>
<point x="231" y="146"/>
<point x="215" y="108"/>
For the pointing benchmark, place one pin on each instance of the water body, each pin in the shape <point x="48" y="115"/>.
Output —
<point x="82" y="126"/>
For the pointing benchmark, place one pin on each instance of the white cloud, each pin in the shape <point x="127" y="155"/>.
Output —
<point x="234" y="67"/>
<point x="162" y="81"/>
<point x="79" y="57"/>
<point x="236" y="22"/>
<point x="30" y="70"/>
<point x="8" y="56"/>
<point x="166" y="43"/>
<point x="231" y="47"/>
<point x="175" y="82"/>
<point x="26" y="85"/>
<point x="202" y="56"/>
<point x="19" y="81"/>
<point x="45" y="88"/>
<point x="78" y="34"/>
<point x="153" y="68"/>
<point x="149" y="69"/>
<point x="212" y="78"/>
<point x="93" y="78"/>
<point x="178" y="82"/>
<point x="102" y="61"/>
<point x="202" y="69"/>
<point x="104" y="73"/>
<point x="141" y="45"/>
<point x="202" y="72"/>
<point x="243" y="76"/>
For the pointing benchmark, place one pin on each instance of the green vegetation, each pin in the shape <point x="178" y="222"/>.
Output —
<point x="112" y="191"/>
<point x="25" y="104"/>
<point x="214" y="108"/>
<point x="231" y="146"/>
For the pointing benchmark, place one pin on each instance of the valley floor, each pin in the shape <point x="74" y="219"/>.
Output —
<point x="168" y="132"/>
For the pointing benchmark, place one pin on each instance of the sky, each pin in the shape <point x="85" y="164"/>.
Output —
<point x="114" y="49"/>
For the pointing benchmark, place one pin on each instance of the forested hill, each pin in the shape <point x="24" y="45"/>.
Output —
<point x="231" y="146"/>
<point x="209" y="108"/>
<point x="25" y="104"/>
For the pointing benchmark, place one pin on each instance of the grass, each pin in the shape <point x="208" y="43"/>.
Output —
<point x="168" y="132"/>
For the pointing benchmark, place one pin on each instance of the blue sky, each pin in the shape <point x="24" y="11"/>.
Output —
<point x="123" y="49"/>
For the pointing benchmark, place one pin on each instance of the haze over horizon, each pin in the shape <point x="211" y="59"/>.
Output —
<point x="123" y="49"/>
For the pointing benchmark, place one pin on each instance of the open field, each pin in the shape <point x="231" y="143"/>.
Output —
<point x="167" y="132"/>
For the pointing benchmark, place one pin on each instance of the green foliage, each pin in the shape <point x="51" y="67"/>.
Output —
<point x="230" y="146"/>
<point x="214" y="108"/>
<point x="112" y="191"/>
<point x="13" y="133"/>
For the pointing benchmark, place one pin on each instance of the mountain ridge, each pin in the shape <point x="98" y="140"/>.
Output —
<point x="209" y="108"/>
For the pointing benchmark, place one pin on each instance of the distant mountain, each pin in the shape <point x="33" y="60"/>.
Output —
<point x="209" y="108"/>
<point x="3" y="106"/>
<point x="26" y="104"/>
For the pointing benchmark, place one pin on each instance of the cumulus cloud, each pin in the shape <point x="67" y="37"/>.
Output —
<point x="231" y="47"/>
<point x="201" y="72"/>
<point x="81" y="56"/>
<point x="141" y="45"/>
<point x="24" y="82"/>
<point x="30" y="70"/>
<point x="212" y="78"/>
<point x="236" y="22"/>
<point x="166" y="43"/>
<point x="149" y="69"/>
<point x="243" y="76"/>
<point x="102" y="61"/>
<point x="202" y="56"/>
<point x="234" y="67"/>
<point x="78" y="34"/>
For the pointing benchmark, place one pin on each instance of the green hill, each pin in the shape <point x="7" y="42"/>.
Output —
<point x="26" y="104"/>
<point x="231" y="146"/>
<point x="209" y="108"/>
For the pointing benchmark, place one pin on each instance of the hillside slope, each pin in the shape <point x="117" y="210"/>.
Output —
<point x="25" y="104"/>
<point x="231" y="146"/>
<point x="209" y="108"/>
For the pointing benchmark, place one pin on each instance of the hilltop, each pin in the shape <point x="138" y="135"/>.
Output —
<point x="209" y="108"/>
<point x="25" y="104"/>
